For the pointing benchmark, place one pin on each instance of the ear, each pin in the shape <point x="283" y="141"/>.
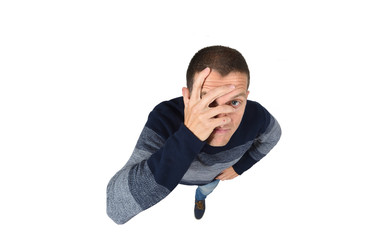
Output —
<point x="185" y="95"/>
<point x="248" y="92"/>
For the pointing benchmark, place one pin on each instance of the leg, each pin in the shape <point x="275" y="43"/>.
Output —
<point x="203" y="191"/>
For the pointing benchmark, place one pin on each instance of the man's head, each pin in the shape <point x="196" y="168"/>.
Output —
<point x="227" y="67"/>
<point x="222" y="59"/>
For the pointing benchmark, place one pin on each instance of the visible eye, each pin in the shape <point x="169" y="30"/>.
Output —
<point x="235" y="103"/>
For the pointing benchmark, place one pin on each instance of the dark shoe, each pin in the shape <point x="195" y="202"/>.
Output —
<point x="199" y="209"/>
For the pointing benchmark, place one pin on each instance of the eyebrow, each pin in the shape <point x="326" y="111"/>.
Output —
<point x="243" y="94"/>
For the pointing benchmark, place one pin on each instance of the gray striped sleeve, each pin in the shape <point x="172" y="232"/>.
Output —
<point x="121" y="205"/>
<point x="266" y="141"/>
<point x="145" y="190"/>
<point x="134" y="189"/>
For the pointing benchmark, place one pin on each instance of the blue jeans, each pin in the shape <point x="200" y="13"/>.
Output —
<point x="203" y="191"/>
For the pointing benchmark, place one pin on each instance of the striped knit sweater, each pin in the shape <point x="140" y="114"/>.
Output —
<point x="167" y="154"/>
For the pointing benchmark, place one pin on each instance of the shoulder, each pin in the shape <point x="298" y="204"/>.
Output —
<point x="166" y="117"/>
<point x="255" y="111"/>
<point x="256" y="117"/>
<point x="254" y="107"/>
<point x="173" y="106"/>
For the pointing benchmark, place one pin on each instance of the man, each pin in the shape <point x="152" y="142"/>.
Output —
<point x="212" y="133"/>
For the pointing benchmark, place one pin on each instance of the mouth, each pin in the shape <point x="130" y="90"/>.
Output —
<point x="220" y="130"/>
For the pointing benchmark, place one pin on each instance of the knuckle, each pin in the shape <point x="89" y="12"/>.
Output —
<point x="200" y="118"/>
<point x="196" y="111"/>
<point x="208" y="124"/>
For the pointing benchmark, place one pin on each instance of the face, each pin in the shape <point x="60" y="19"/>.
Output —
<point x="237" y="99"/>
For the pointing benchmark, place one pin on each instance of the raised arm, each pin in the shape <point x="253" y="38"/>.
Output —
<point x="152" y="172"/>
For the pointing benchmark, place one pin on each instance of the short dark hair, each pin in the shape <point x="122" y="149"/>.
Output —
<point x="222" y="59"/>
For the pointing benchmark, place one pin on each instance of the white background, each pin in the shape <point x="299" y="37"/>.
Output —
<point x="78" y="79"/>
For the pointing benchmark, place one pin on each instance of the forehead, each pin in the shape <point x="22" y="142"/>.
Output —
<point x="215" y="80"/>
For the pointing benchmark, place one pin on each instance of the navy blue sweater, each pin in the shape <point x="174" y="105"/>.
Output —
<point x="168" y="153"/>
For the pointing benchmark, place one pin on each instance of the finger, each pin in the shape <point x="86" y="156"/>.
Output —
<point x="233" y="175"/>
<point x="217" y="122"/>
<point x="237" y="92"/>
<point x="223" y="178"/>
<point x="222" y="109"/>
<point x="198" y="84"/>
<point x="215" y="93"/>
<point x="220" y="177"/>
